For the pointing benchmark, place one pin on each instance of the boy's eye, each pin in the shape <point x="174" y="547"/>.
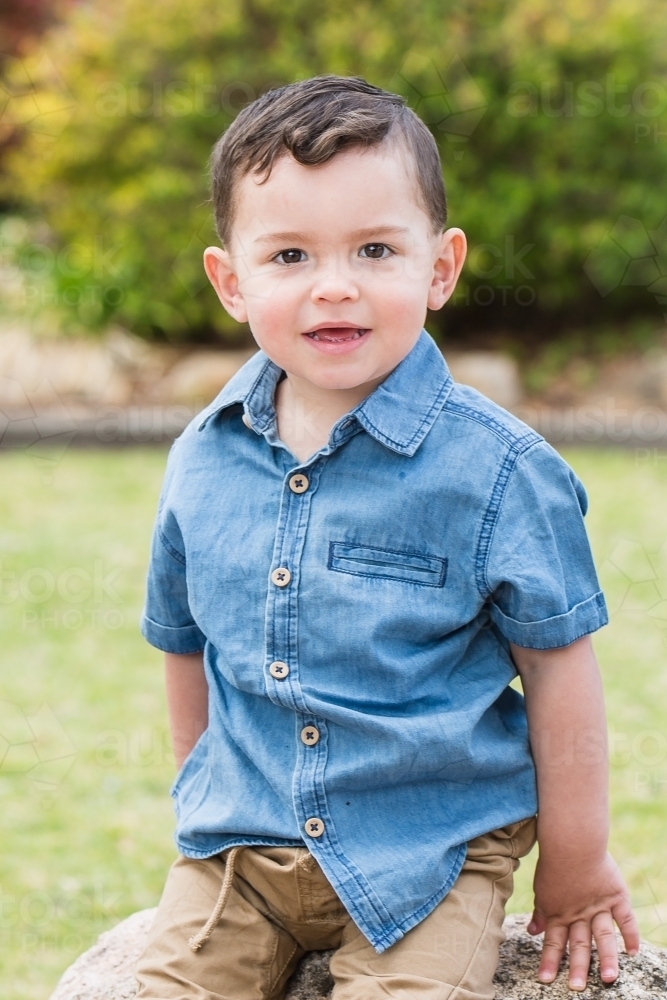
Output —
<point x="376" y="251"/>
<point x="292" y="256"/>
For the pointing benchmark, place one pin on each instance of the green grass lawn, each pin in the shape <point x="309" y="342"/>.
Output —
<point x="85" y="818"/>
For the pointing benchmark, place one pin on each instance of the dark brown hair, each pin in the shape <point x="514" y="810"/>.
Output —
<point x="314" y="120"/>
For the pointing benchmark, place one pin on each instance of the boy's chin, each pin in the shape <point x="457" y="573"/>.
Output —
<point x="339" y="381"/>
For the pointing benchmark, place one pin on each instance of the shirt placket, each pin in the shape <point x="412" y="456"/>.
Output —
<point x="282" y="672"/>
<point x="281" y="620"/>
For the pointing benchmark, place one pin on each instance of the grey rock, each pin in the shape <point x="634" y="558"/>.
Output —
<point x="105" y="971"/>
<point x="312" y="980"/>
<point x="640" y="978"/>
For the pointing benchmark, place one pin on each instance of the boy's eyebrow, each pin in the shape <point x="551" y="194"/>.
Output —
<point x="359" y="234"/>
<point x="286" y="237"/>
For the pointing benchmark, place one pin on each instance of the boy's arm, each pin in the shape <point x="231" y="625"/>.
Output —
<point x="187" y="701"/>
<point x="579" y="891"/>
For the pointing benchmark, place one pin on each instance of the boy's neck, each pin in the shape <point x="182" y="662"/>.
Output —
<point x="306" y="412"/>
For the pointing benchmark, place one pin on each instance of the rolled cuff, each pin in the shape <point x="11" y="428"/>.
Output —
<point x="560" y="630"/>
<point x="184" y="639"/>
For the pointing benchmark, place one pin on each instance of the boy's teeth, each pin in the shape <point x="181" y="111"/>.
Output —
<point x="336" y="338"/>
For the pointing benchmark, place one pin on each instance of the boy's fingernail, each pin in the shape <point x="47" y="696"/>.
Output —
<point x="577" y="984"/>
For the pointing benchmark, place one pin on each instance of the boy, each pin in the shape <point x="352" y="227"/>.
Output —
<point x="353" y="557"/>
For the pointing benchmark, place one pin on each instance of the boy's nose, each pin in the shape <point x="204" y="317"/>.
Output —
<point x="334" y="285"/>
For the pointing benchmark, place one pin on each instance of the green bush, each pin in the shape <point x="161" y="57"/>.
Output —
<point x="552" y="125"/>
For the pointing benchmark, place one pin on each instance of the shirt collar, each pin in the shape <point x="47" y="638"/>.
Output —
<point x="403" y="408"/>
<point x="398" y="414"/>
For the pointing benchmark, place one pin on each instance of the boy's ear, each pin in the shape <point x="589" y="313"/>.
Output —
<point x="451" y="254"/>
<point x="219" y="267"/>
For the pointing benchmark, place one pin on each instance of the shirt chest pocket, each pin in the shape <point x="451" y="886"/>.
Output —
<point x="387" y="564"/>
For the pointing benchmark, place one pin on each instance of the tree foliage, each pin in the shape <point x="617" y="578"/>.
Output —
<point x="551" y="120"/>
<point x="21" y="22"/>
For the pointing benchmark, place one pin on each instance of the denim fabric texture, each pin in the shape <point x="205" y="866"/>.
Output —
<point x="435" y="528"/>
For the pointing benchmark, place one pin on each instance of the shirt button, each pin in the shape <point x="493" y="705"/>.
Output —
<point x="314" y="827"/>
<point x="246" y="420"/>
<point x="279" y="670"/>
<point x="310" y="735"/>
<point x="298" y="483"/>
<point x="281" y="576"/>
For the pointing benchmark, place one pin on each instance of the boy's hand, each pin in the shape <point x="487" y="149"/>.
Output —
<point x="574" y="904"/>
<point x="579" y="891"/>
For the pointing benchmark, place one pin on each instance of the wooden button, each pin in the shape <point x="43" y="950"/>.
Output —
<point x="314" y="827"/>
<point x="279" y="670"/>
<point x="246" y="420"/>
<point x="298" y="483"/>
<point x="310" y="735"/>
<point x="281" y="576"/>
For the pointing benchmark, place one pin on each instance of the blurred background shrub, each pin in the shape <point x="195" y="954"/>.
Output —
<point x="552" y="124"/>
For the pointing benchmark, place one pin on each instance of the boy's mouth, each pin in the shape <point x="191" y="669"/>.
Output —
<point x="336" y="334"/>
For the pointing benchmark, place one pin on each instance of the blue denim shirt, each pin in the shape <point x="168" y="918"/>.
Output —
<point x="355" y="612"/>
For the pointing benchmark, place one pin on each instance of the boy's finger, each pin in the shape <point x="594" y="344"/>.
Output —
<point x="605" y="939"/>
<point x="537" y="923"/>
<point x="580" y="954"/>
<point x="624" y="916"/>
<point x="555" y="939"/>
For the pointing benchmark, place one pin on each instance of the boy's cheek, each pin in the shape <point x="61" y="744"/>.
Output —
<point x="399" y="306"/>
<point x="274" y="324"/>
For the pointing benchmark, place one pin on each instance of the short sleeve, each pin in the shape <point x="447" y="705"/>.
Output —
<point x="167" y="621"/>
<point x="543" y="590"/>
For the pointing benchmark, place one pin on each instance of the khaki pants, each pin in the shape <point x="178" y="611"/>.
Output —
<point x="278" y="905"/>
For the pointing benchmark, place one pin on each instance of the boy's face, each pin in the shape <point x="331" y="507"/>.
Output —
<point x="334" y="266"/>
